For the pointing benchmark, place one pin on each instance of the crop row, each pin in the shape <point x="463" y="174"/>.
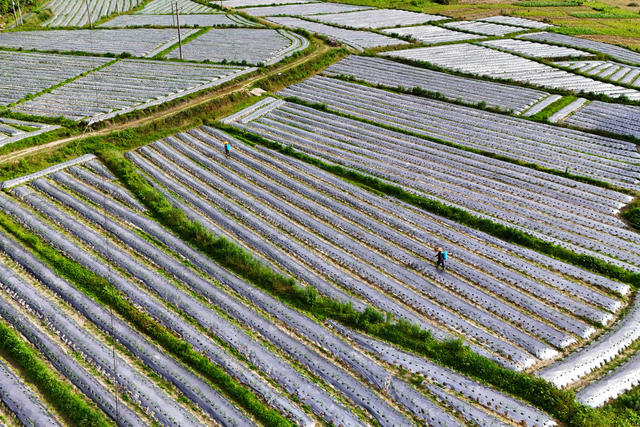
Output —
<point x="71" y="13"/>
<point x="534" y="49"/>
<point x="484" y="61"/>
<point x="392" y="74"/>
<point x="357" y="39"/>
<point x="21" y="401"/>
<point x="125" y="86"/>
<point x="250" y="45"/>
<point x="614" y="118"/>
<point x="29" y="73"/>
<point x="136" y="41"/>
<point x="616" y="52"/>
<point x="14" y="130"/>
<point x="377" y="18"/>
<point x="611" y="71"/>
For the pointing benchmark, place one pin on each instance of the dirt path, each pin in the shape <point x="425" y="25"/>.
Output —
<point x="243" y="85"/>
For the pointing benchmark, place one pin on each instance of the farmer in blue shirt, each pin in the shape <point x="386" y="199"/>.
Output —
<point x="227" y="148"/>
<point x="441" y="256"/>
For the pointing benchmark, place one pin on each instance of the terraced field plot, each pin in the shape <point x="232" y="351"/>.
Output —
<point x="15" y="130"/>
<point x="303" y="9"/>
<point x="430" y="34"/>
<point x="616" y="52"/>
<point x="393" y="74"/>
<point x="516" y="21"/>
<point x="29" y="73"/>
<point x="357" y="39"/>
<point x="602" y="235"/>
<point x="483" y="61"/>
<point x="535" y="50"/>
<point x="73" y="13"/>
<point x="614" y="72"/>
<point x="254" y="46"/>
<point x="128" y="85"/>
<point x="614" y="118"/>
<point x="249" y="3"/>
<point x="485" y="28"/>
<point x="377" y="18"/>
<point x="76" y="212"/>
<point x="137" y="42"/>
<point x="201" y="20"/>
<point x="163" y="7"/>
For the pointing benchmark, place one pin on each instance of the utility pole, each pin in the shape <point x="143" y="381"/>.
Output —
<point x="20" y="13"/>
<point x="173" y="16"/>
<point x="15" y="16"/>
<point x="179" y="36"/>
<point x="86" y="3"/>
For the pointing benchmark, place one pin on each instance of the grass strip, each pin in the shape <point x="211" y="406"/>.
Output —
<point x="554" y="107"/>
<point x="100" y="289"/>
<point x="461" y="216"/>
<point x="59" y="394"/>
<point x="561" y="404"/>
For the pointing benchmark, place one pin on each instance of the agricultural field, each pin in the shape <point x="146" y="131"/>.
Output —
<point x="196" y="20"/>
<point x="243" y="45"/>
<point x="377" y="18"/>
<point x="137" y="42"/>
<point x="319" y="213"/>
<point x="74" y="13"/>
<point x="483" y="61"/>
<point x="125" y="86"/>
<point x="359" y="40"/>
<point x="29" y="73"/>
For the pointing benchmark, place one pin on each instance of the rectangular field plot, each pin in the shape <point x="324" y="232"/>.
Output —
<point x="15" y="130"/>
<point x="202" y="20"/>
<point x="125" y="86"/>
<point x="378" y="18"/>
<point x="137" y="42"/>
<point x="617" y="52"/>
<point x="253" y="46"/>
<point x="614" y="118"/>
<point x="600" y="234"/>
<point x="303" y="9"/>
<point x="249" y="3"/>
<point x="483" y="61"/>
<point x="360" y="40"/>
<point x="614" y="72"/>
<point x="163" y="7"/>
<point x="431" y="34"/>
<point x="535" y="50"/>
<point x="485" y="28"/>
<point x="73" y="13"/>
<point x="515" y="21"/>
<point x="29" y="73"/>
<point x="100" y="232"/>
<point x="393" y="74"/>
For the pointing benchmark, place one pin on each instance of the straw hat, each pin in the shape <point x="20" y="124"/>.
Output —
<point x="439" y="249"/>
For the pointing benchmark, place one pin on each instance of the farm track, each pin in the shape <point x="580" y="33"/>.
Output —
<point x="163" y="114"/>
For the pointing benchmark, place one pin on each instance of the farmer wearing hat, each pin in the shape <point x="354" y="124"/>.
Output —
<point x="441" y="255"/>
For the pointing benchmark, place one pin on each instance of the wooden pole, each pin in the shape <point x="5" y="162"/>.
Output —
<point x="179" y="36"/>
<point x="15" y="16"/>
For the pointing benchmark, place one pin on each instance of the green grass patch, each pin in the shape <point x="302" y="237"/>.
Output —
<point x="548" y="3"/>
<point x="551" y="109"/>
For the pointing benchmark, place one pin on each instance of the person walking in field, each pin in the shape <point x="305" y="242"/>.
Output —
<point x="227" y="148"/>
<point x="441" y="256"/>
